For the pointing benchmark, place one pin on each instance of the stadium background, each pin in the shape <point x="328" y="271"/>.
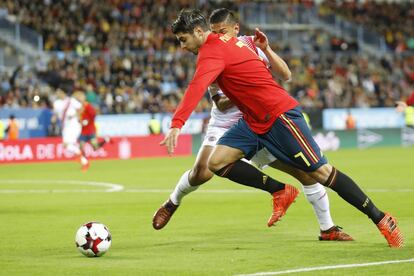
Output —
<point x="346" y="57"/>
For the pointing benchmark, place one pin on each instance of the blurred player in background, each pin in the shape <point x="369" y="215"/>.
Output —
<point x="68" y="110"/>
<point x="88" y="133"/>
<point x="12" y="129"/>
<point x="407" y="107"/>
<point x="271" y="119"/>
<point x="2" y="130"/>
<point x="223" y="115"/>
<point x="154" y="125"/>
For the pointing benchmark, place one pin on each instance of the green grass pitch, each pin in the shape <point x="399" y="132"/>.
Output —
<point x="216" y="231"/>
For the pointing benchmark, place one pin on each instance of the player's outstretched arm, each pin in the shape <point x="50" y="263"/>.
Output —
<point x="277" y="64"/>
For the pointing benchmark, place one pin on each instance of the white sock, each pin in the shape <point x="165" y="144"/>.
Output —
<point x="73" y="149"/>
<point x="318" y="197"/>
<point x="182" y="188"/>
<point x="83" y="160"/>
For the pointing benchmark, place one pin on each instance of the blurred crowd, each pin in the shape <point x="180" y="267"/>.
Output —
<point x="107" y="25"/>
<point x="393" y="19"/>
<point x="123" y="56"/>
<point x="120" y="52"/>
<point x="155" y="83"/>
<point x="347" y="80"/>
<point x="115" y="84"/>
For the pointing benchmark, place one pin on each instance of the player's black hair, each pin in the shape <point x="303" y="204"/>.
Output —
<point x="187" y="20"/>
<point x="222" y="15"/>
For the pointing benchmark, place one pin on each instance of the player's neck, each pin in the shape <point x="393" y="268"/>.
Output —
<point x="205" y="36"/>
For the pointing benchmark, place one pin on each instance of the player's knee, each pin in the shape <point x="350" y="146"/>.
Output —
<point x="304" y="178"/>
<point x="215" y="164"/>
<point x="322" y="174"/>
<point x="200" y="174"/>
<point x="222" y="156"/>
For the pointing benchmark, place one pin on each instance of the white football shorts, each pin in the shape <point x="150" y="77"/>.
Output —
<point x="70" y="135"/>
<point x="262" y="158"/>
<point x="213" y="134"/>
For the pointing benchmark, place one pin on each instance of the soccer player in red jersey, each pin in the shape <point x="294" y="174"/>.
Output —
<point x="223" y="116"/>
<point x="88" y="133"/>
<point x="271" y="119"/>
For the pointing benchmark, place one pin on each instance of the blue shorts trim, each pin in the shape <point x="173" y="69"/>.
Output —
<point x="86" y="138"/>
<point x="290" y="140"/>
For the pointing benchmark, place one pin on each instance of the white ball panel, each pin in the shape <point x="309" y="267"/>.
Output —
<point x="104" y="245"/>
<point x="80" y="235"/>
<point x="98" y="230"/>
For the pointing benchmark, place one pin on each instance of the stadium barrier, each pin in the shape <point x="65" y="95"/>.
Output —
<point x="52" y="149"/>
<point x="364" y="138"/>
<point x="127" y="147"/>
<point x="35" y="122"/>
<point x="32" y="122"/>
<point x="366" y="118"/>
<point x="137" y="124"/>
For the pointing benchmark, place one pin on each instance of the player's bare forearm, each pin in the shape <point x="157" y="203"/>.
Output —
<point x="222" y="102"/>
<point x="278" y="65"/>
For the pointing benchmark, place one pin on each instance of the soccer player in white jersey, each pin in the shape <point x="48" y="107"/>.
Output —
<point x="223" y="115"/>
<point x="68" y="111"/>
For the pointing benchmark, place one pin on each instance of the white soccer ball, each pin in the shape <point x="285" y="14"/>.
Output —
<point x="93" y="239"/>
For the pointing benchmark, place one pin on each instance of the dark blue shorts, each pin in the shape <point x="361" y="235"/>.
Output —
<point x="289" y="140"/>
<point x="86" y="138"/>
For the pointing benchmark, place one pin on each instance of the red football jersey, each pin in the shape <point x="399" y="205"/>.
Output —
<point x="242" y="76"/>
<point x="410" y="100"/>
<point x="88" y="117"/>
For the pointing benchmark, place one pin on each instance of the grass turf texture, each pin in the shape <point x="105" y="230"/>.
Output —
<point x="210" y="234"/>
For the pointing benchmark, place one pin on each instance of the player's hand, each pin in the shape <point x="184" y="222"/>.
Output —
<point x="400" y="106"/>
<point x="170" y="140"/>
<point x="260" y="39"/>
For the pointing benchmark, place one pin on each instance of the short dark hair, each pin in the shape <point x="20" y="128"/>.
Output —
<point x="187" y="20"/>
<point x="222" y="15"/>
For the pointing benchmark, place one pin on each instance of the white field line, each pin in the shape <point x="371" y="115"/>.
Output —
<point x="243" y="191"/>
<point x="108" y="187"/>
<point x="329" y="267"/>
<point x="114" y="187"/>
<point x="207" y="191"/>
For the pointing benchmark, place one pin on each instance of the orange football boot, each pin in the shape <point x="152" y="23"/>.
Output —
<point x="391" y="232"/>
<point x="281" y="201"/>
<point x="163" y="215"/>
<point x="334" y="234"/>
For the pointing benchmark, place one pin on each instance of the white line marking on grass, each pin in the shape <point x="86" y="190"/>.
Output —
<point x="109" y="187"/>
<point x="242" y="191"/>
<point x="224" y="191"/>
<point x="113" y="187"/>
<point x="391" y="190"/>
<point x="330" y="267"/>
